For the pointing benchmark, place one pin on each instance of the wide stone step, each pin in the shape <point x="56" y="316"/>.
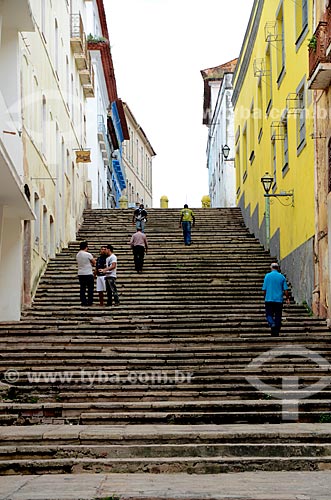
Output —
<point x="169" y="465"/>
<point x="239" y="486"/>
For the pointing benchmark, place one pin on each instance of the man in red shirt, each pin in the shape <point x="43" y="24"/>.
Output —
<point x="139" y="246"/>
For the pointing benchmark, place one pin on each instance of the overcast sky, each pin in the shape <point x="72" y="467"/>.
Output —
<point x="159" y="48"/>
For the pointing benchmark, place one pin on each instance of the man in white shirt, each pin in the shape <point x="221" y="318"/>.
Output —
<point x="110" y="273"/>
<point x="85" y="261"/>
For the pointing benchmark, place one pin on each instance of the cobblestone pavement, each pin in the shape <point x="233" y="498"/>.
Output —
<point x="240" y="486"/>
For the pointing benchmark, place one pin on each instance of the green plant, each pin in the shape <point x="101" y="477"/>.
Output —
<point x="306" y="306"/>
<point x="93" y="38"/>
<point x="325" y="418"/>
<point x="312" y="43"/>
<point x="112" y="497"/>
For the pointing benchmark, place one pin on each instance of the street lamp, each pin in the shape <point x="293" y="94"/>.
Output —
<point x="267" y="181"/>
<point x="225" y="151"/>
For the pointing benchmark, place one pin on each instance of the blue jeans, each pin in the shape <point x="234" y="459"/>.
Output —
<point x="140" y="224"/>
<point x="111" y="290"/>
<point x="186" y="225"/>
<point x="273" y="313"/>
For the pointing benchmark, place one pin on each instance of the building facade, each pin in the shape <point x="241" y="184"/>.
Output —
<point x="57" y="79"/>
<point x="15" y="17"/>
<point x="273" y="127"/>
<point x="319" y="83"/>
<point x="107" y="127"/>
<point x="138" y="156"/>
<point x="219" y="118"/>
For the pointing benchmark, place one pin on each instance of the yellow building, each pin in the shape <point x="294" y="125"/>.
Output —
<point x="273" y="126"/>
<point x="320" y="83"/>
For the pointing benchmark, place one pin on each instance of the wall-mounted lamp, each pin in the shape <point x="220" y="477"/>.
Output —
<point x="225" y="151"/>
<point x="267" y="181"/>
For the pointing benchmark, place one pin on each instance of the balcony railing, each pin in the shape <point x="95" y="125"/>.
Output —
<point x="319" y="58"/>
<point x="103" y="140"/>
<point x="327" y="18"/>
<point x="77" y="35"/>
<point x="317" y="53"/>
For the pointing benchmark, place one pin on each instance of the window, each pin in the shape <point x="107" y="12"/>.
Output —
<point x="274" y="161"/>
<point x="251" y="134"/>
<point x="301" y="118"/>
<point x="280" y="45"/>
<point x="44" y="127"/>
<point x="43" y="18"/>
<point x="268" y="80"/>
<point x="237" y="167"/>
<point x="73" y="189"/>
<point x="285" y="146"/>
<point x="67" y="82"/>
<point x="37" y="221"/>
<point x="137" y="155"/>
<point x="142" y="163"/>
<point x="45" y="232"/>
<point x="56" y="49"/>
<point x="259" y="110"/>
<point x="301" y="18"/>
<point x="72" y="98"/>
<point x="244" y="152"/>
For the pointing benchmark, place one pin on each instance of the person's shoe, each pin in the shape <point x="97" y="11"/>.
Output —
<point x="116" y="304"/>
<point x="274" y="332"/>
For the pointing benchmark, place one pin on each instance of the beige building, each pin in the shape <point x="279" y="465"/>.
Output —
<point x="137" y="160"/>
<point x="320" y="82"/>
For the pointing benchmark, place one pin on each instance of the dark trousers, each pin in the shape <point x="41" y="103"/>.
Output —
<point x="186" y="225"/>
<point x="86" y="281"/>
<point x="273" y="313"/>
<point x="111" y="290"/>
<point x="138" y="257"/>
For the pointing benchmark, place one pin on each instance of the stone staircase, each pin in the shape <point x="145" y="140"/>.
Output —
<point x="159" y="384"/>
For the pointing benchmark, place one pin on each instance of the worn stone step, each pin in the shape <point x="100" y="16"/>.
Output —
<point x="211" y="465"/>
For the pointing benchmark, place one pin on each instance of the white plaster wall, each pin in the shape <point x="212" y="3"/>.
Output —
<point x="98" y="106"/>
<point x="10" y="267"/>
<point x="221" y="173"/>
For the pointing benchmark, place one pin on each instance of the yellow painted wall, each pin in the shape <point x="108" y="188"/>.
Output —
<point x="296" y="223"/>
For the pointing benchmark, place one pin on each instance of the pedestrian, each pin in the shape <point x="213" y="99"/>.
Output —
<point x="85" y="261"/>
<point x="187" y="221"/>
<point x="274" y="287"/>
<point x="139" y="246"/>
<point x="140" y="218"/>
<point x="110" y="272"/>
<point x="101" y="264"/>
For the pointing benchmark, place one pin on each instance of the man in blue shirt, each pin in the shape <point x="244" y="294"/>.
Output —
<point x="274" y="286"/>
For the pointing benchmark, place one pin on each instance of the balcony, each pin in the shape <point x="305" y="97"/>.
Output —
<point x="87" y="79"/>
<point x="319" y="61"/>
<point x="77" y="35"/>
<point x="104" y="141"/>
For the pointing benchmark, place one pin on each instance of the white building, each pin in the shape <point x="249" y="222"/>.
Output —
<point x="219" y="118"/>
<point x="138" y="155"/>
<point x="15" y="16"/>
<point x="102" y="140"/>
